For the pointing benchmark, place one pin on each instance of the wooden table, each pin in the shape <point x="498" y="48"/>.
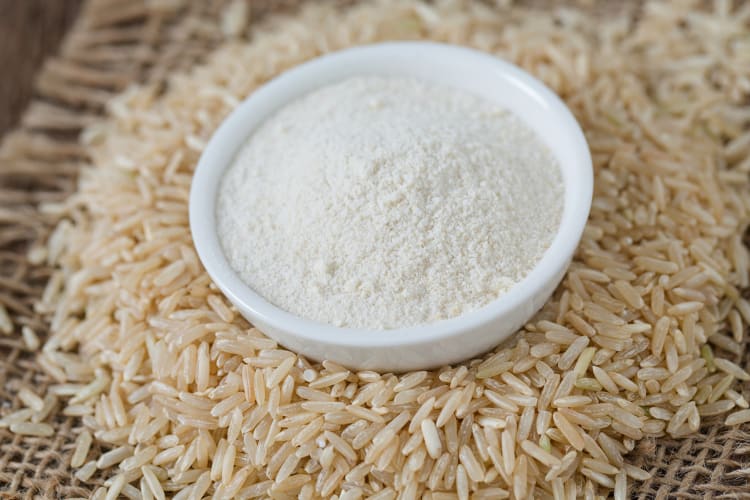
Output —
<point x="29" y="31"/>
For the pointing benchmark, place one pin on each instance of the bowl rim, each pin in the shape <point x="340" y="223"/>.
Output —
<point x="202" y="204"/>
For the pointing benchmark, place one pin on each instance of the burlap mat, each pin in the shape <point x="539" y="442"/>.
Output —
<point x="113" y="44"/>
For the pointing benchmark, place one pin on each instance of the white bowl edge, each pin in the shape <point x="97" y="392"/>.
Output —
<point x="423" y="346"/>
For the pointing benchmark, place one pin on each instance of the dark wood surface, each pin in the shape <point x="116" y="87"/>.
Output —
<point x="29" y="31"/>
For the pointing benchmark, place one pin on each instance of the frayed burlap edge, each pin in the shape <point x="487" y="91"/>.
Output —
<point x="113" y="44"/>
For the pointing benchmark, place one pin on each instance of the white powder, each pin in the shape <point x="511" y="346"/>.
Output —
<point x="388" y="202"/>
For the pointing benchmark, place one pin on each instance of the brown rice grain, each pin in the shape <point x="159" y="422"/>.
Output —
<point x="731" y="369"/>
<point x="520" y="486"/>
<point x="738" y="417"/>
<point x="539" y="454"/>
<point x="81" y="451"/>
<point x="116" y="487"/>
<point x="30" y="399"/>
<point x="152" y="482"/>
<point x="30" y="338"/>
<point x="32" y="429"/>
<point x="473" y="467"/>
<point x="571" y="432"/>
<point x="85" y="472"/>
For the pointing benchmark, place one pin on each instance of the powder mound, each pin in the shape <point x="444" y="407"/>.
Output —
<point x="388" y="202"/>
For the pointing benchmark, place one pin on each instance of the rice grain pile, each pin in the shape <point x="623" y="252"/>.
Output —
<point x="194" y="402"/>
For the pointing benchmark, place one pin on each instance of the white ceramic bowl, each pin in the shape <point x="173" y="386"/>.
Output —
<point x="425" y="346"/>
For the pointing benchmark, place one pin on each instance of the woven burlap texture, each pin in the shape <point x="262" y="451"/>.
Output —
<point x="115" y="43"/>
